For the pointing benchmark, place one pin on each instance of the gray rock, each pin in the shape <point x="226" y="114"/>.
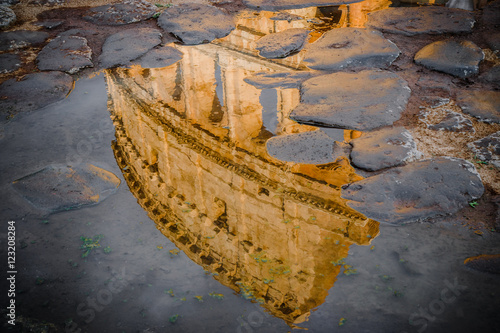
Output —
<point x="458" y="59"/>
<point x="291" y="4"/>
<point x="41" y="89"/>
<point x="9" y="62"/>
<point x="487" y="149"/>
<point x="411" y="21"/>
<point x="416" y="191"/>
<point x="453" y="122"/>
<point x="68" y="54"/>
<point x="492" y="75"/>
<point x="8" y="2"/>
<point x="49" y="24"/>
<point x="7" y="17"/>
<point x="47" y="2"/>
<point x="360" y="101"/>
<point x="60" y="187"/>
<point x="308" y="147"/>
<point x="384" y="148"/>
<point x="160" y="57"/>
<point x="196" y="23"/>
<point x="282" y="44"/>
<point x="351" y="48"/>
<point x="484" y="105"/>
<point x="284" y="16"/>
<point x="266" y="80"/>
<point x="19" y="39"/>
<point x="125" y="46"/>
<point x="461" y="4"/>
<point x="126" y="12"/>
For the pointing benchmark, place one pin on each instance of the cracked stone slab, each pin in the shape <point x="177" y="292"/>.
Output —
<point x="161" y="57"/>
<point x="122" y="48"/>
<point x="126" y="12"/>
<point x="7" y="17"/>
<point x="42" y="88"/>
<point x="416" y="191"/>
<point x="273" y="5"/>
<point x="266" y="80"/>
<point x="60" y="187"/>
<point x="384" y="148"/>
<point x="484" y="105"/>
<point x="12" y="40"/>
<point x="412" y="21"/>
<point x="282" y="44"/>
<point x="9" y="62"/>
<point x="361" y="101"/>
<point x="196" y="23"/>
<point x="351" y="48"/>
<point x="460" y="59"/>
<point x="488" y="263"/>
<point x="309" y="147"/>
<point x="487" y="149"/>
<point x="67" y="53"/>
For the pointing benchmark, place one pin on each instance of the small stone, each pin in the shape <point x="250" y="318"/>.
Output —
<point x="458" y="59"/>
<point x="196" y="23"/>
<point x="484" y="105"/>
<point x="285" y="80"/>
<point x="384" y="148"/>
<point x="160" y="57"/>
<point x="60" y="187"/>
<point x="412" y="21"/>
<point x="274" y="5"/>
<point x="19" y="39"/>
<point x="351" y="48"/>
<point x="42" y="88"/>
<point x="282" y="44"/>
<point x="122" y="48"/>
<point x="488" y="263"/>
<point x="68" y="54"/>
<point x="416" y="191"/>
<point x="7" y="17"/>
<point x="126" y="12"/>
<point x="309" y="147"/>
<point x="487" y="149"/>
<point x="9" y="62"/>
<point x="453" y="122"/>
<point x="361" y="101"/>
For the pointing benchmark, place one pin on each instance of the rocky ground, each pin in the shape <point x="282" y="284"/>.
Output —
<point x="418" y="87"/>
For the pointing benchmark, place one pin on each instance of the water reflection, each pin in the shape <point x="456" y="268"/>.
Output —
<point x="190" y="140"/>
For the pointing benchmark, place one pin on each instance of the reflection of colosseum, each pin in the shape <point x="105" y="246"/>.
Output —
<point x="190" y="140"/>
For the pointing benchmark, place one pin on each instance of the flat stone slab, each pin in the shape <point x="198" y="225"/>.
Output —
<point x="9" y="62"/>
<point x="412" y="21"/>
<point x="42" y="89"/>
<point x="67" y="53"/>
<point x="7" y="17"/>
<point x="487" y="149"/>
<point x="273" y="5"/>
<point x="60" y="187"/>
<point x="126" y="12"/>
<point x="453" y="122"/>
<point x="282" y="44"/>
<point x="19" y="39"/>
<point x="488" y="263"/>
<point x="161" y="57"/>
<point x="361" y="101"/>
<point x="416" y="191"/>
<point x="266" y="80"/>
<point x="122" y="48"/>
<point x="484" y="105"/>
<point x="308" y="147"/>
<point x="451" y="57"/>
<point x="384" y="148"/>
<point x="196" y="23"/>
<point x="351" y="48"/>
